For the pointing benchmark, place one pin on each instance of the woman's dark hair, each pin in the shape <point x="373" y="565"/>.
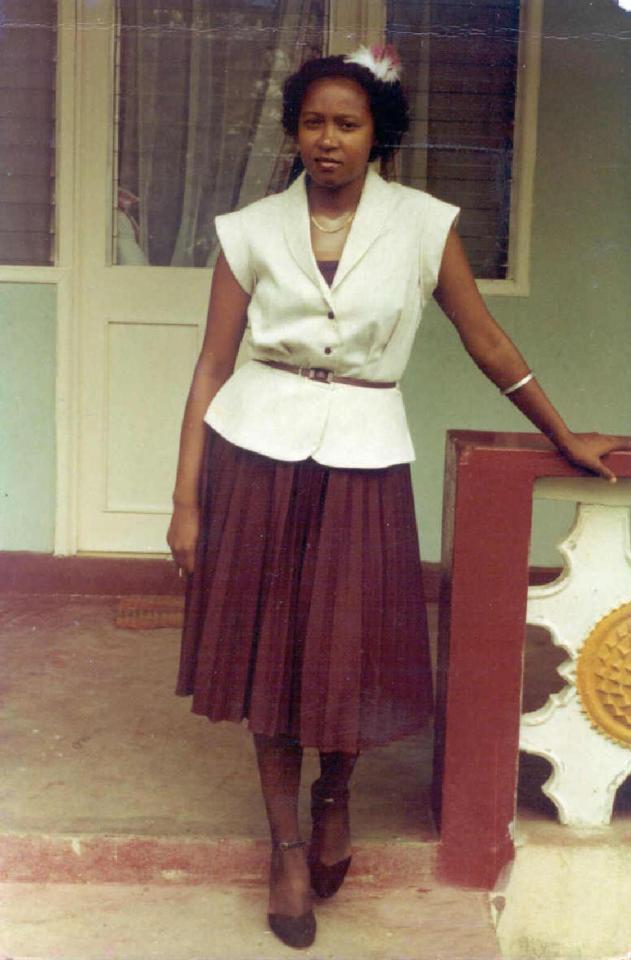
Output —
<point x="388" y="103"/>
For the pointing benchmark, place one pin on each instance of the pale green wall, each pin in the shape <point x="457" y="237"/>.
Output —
<point x="574" y="328"/>
<point x="27" y="416"/>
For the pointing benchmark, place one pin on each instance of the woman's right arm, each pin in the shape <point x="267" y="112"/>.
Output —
<point x="224" y="329"/>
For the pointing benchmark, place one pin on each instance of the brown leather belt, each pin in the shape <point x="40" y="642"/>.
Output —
<point x="327" y="376"/>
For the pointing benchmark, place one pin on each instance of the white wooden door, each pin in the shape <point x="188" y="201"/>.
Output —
<point x="140" y="329"/>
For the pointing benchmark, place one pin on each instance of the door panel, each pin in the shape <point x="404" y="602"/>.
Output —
<point x="140" y="333"/>
<point x="140" y="325"/>
<point x="148" y="372"/>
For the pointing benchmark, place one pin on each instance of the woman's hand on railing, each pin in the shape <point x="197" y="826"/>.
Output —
<point x="182" y="536"/>
<point x="586" y="450"/>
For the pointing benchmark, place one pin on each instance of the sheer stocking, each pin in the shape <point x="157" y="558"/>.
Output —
<point x="279" y="762"/>
<point x="332" y="835"/>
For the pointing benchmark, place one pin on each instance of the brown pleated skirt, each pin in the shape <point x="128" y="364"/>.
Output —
<point x="305" y="613"/>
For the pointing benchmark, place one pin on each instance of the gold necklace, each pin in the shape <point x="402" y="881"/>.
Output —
<point x="322" y="229"/>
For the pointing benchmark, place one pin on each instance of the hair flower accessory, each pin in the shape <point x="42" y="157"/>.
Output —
<point x="382" y="61"/>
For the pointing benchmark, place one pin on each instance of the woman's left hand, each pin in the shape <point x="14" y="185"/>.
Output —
<point x="586" y="449"/>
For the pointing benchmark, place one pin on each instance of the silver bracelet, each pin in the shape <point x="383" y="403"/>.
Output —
<point x="520" y="383"/>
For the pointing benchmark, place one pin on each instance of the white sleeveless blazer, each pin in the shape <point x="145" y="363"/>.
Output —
<point x="362" y="326"/>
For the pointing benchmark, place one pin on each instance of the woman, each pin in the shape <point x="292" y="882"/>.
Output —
<point x="293" y="511"/>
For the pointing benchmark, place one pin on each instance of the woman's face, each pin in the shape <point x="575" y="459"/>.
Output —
<point x="336" y="132"/>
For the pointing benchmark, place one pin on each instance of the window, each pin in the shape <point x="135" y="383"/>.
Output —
<point x="27" y="125"/>
<point x="460" y="61"/>
<point x="198" y="108"/>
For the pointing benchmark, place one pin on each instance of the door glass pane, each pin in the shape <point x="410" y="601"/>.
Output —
<point x="198" y="117"/>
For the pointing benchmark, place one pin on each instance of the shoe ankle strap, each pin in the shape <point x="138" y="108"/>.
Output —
<point x="336" y="796"/>
<point x="288" y="844"/>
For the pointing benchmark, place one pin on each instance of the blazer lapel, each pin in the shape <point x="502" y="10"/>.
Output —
<point x="372" y="210"/>
<point x="298" y="234"/>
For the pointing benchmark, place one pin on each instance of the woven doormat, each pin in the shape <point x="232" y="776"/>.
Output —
<point x="149" y="613"/>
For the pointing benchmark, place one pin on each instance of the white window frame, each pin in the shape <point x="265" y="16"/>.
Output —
<point x="64" y="172"/>
<point x="370" y="17"/>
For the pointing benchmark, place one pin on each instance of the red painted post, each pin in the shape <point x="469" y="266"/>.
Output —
<point x="486" y="532"/>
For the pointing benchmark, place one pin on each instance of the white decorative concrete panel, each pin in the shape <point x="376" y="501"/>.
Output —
<point x="584" y="731"/>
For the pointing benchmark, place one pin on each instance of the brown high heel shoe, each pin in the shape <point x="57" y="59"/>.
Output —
<point x="326" y="879"/>
<point x="298" y="932"/>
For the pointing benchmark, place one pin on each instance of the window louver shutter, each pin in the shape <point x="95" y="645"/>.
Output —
<point x="27" y="131"/>
<point x="460" y="62"/>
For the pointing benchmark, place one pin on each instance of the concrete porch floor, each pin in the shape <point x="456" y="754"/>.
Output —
<point x="131" y="829"/>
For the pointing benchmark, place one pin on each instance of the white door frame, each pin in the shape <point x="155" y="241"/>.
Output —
<point x="74" y="68"/>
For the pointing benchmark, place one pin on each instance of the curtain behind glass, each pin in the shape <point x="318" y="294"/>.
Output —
<point x="199" y="112"/>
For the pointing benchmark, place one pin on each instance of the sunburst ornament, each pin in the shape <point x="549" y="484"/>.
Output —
<point x="603" y="675"/>
<point x="584" y="731"/>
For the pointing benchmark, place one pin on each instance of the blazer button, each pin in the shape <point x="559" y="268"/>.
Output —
<point x="328" y="350"/>
<point x="331" y="315"/>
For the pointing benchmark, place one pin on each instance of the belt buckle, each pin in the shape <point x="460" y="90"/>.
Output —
<point x="317" y="373"/>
